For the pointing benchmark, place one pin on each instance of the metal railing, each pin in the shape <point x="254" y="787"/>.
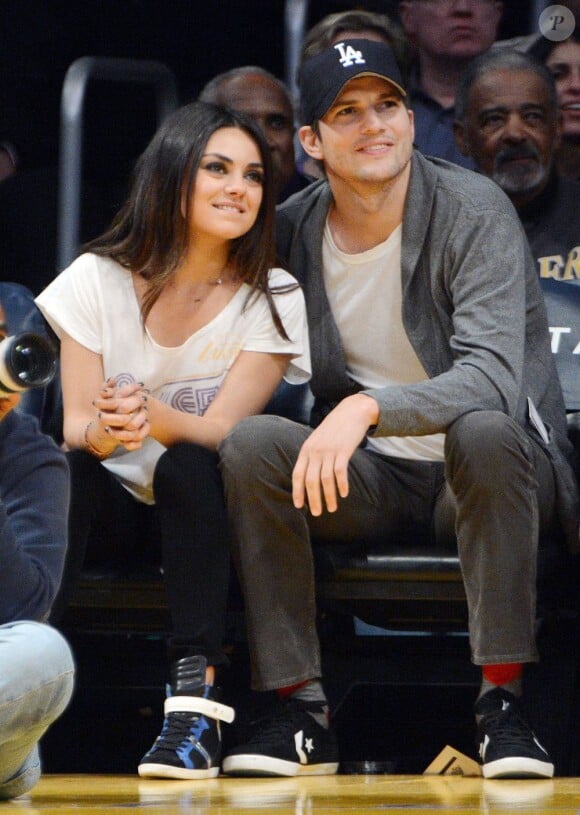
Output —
<point x="80" y="72"/>
<point x="295" y="19"/>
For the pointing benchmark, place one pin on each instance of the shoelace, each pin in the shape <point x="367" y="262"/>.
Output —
<point x="508" y="727"/>
<point x="177" y="729"/>
<point x="281" y="723"/>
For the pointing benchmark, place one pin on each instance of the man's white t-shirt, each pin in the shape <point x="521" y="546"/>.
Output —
<point x="377" y="350"/>
<point x="94" y="302"/>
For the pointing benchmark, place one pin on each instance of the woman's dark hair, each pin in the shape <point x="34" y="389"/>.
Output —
<point x="149" y="234"/>
<point x="543" y="47"/>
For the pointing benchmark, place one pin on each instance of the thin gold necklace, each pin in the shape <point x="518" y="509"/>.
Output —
<point x="217" y="282"/>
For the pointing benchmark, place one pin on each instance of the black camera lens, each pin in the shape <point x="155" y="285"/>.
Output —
<point x="26" y="361"/>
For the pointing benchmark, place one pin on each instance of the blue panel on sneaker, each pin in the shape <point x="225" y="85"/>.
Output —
<point x="189" y="745"/>
<point x="289" y="743"/>
<point x="508" y="747"/>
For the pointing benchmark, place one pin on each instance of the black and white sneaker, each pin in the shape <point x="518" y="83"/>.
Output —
<point x="289" y="743"/>
<point x="190" y="743"/>
<point x="508" y="747"/>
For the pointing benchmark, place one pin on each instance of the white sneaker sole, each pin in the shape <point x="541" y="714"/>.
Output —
<point x="167" y="771"/>
<point x="266" y="765"/>
<point x="518" y="767"/>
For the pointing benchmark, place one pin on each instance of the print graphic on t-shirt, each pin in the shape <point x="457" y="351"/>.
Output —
<point x="562" y="300"/>
<point x="193" y="395"/>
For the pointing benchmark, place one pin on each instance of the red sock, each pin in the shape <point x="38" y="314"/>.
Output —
<point x="502" y="674"/>
<point x="284" y="693"/>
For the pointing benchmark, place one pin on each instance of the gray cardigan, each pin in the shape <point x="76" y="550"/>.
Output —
<point x="472" y="309"/>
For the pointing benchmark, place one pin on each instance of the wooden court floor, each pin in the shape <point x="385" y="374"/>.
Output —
<point x="329" y="795"/>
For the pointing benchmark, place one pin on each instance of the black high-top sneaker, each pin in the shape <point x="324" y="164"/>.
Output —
<point x="508" y="747"/>
<point x="290" y="742"/>
<point x="189" y="745"/>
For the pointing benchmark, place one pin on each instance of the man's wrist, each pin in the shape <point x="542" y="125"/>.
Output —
<point x="372" y="411"/>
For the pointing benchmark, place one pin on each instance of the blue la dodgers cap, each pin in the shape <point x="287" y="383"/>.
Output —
<point x="323" y="76"/>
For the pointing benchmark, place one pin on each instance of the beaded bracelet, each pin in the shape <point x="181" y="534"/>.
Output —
<point x="90" y="446"/>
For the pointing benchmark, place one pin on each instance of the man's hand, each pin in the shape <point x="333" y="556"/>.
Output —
<point x="322" y="465"/>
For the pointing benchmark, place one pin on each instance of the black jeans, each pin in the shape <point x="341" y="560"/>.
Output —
<point x="190" y="519"/>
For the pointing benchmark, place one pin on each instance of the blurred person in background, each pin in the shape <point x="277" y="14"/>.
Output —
<point x="563" y="61"/>
<point x="446" y="36"/>
<point x="262" y="96"/>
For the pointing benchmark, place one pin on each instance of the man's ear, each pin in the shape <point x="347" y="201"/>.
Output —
<point x="460" y="140"/>
<point x="406" y="17"/>
<point x="411" y="115"/>
<point x="499" y="10"/>
<point x="310" y="142"/>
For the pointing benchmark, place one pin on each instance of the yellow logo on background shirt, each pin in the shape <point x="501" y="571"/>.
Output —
<point x="555" y="267"/>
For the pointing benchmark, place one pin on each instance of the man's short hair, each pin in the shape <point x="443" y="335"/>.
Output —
<point x="501" y="60"/>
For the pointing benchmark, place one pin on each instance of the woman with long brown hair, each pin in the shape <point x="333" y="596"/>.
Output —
<point x="173" y="326"/>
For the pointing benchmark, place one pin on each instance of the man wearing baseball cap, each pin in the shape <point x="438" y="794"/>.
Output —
<point x="434" y="388"/>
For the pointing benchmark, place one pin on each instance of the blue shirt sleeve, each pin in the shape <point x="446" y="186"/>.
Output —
<point x="34" y="501"/>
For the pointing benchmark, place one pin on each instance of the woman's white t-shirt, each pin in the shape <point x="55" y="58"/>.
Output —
<point x="94" y="302"/>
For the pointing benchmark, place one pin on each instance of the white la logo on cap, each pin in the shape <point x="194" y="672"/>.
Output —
<point x="349" y="55"/>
